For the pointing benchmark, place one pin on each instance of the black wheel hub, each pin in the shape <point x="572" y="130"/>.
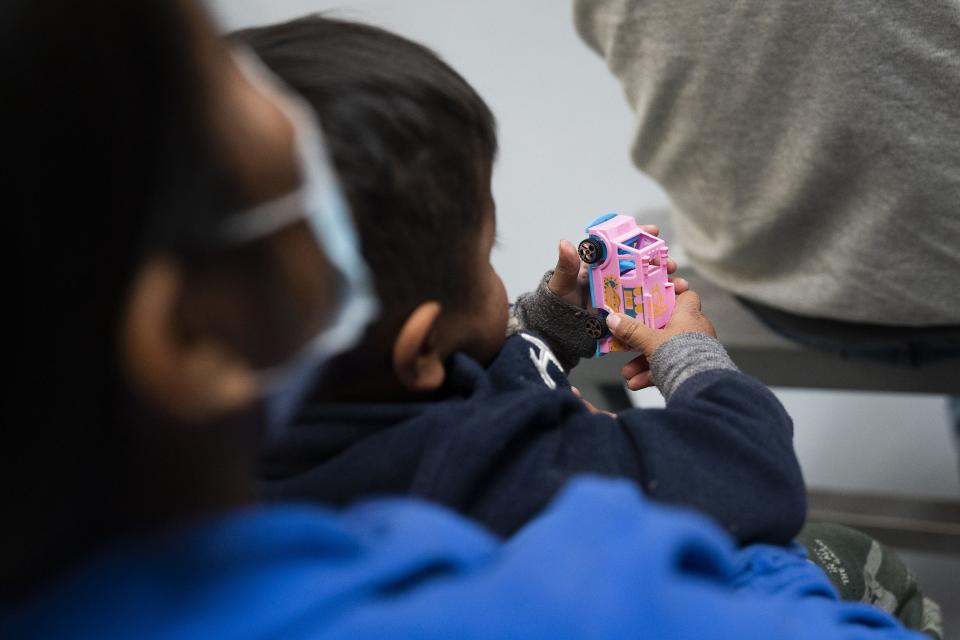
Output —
<point x="595" y="328"/>
<point x="590" y="251"/>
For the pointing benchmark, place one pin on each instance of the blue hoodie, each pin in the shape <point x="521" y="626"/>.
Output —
<point x="602" y="562"/>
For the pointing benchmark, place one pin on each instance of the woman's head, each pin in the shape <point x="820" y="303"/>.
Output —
<point x="145" y="318"/>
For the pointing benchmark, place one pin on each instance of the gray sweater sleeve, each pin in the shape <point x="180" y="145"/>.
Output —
<point x="561" y="324"/>
<point x="684" y="356"/>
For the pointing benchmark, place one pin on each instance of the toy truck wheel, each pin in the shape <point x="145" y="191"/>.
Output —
<point x="595" y="328"/>
<point x="590" y="250"/>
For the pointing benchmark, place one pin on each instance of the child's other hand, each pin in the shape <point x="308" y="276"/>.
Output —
<point x="590" y="405"/>
<point x="686" y="318"/>
<point x="569" y="279"/>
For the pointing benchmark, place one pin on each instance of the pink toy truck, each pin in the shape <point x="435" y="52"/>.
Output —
<point x="628" y="274"/>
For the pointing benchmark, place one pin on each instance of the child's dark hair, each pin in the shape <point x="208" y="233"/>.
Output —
<point x="412" y="142"/>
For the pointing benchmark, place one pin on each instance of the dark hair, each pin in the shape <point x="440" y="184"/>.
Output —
<point x="105" y="125"/>
<point x="412" y="142"/>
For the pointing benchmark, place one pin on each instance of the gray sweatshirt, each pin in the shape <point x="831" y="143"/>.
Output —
<point x="811" y="149"/>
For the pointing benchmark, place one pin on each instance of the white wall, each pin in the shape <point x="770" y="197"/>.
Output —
<point x="564" y="124"/>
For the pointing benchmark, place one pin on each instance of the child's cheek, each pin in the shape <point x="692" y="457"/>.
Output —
<point x="496" y="315"/>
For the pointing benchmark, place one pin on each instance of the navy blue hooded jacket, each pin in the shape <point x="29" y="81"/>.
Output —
<point x="503" y="440"/>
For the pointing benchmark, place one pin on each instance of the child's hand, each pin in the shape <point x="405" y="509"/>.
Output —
<point x="686" y="318"/>
<point x="590" y="405"/>
<point x="569" y="280"/>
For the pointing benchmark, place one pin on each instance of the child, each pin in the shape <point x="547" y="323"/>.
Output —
<point x="436" y="402"/>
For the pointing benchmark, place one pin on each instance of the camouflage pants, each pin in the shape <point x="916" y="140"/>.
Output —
<point x="863" y="570"/>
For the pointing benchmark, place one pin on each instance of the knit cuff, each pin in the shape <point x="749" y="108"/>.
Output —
<point x="684" y="356"/>
<point x="562" y="325"/>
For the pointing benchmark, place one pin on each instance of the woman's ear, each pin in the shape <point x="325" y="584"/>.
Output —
<point x="194" y="378"/>
<point x="417" y="358"/>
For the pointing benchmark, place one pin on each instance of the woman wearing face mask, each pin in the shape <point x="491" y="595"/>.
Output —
<point x="169" y="219"/>
<point x="177" y="223"/>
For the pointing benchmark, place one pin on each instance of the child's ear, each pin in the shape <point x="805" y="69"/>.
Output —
<point x="417" y="358"/>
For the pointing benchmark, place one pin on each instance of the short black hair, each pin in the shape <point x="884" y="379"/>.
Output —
<point x="412" y="142"/>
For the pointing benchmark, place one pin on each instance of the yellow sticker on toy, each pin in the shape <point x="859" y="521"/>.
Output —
<point x="659" y="307"/>
<point x="610" y="296"/>
<point x="638" y="300"/>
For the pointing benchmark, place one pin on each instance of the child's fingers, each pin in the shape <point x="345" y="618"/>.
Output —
<point x="564" y="280"/>
<point x="687" y="316"/>
<point x="640" y="381"/>
<point x="634" y="367"/>
<point x="680" y="285"/>
<point x="583" y="276"/>
<point x="594" y="409"/>
<point x="690" y="302"/>
<point x="568" y="261"/>
<point x="633" y="333"/>
<point x="583" y="284"/>
<point x="687" y="310"/>
<point x="589" y="405"/>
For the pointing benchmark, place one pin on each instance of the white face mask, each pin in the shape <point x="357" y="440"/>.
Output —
<point x="320" y="202"/>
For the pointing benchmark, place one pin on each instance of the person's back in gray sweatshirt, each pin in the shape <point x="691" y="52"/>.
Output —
<point x="811" y="149"/>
